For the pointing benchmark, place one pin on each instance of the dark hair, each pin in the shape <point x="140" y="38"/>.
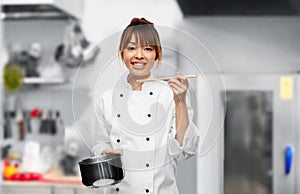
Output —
<point x="144" y="33"/>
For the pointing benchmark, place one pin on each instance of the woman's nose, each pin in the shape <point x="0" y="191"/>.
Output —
<point x="139" y="53"/>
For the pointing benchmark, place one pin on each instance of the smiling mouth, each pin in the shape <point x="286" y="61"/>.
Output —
<point x="139" y="65"/>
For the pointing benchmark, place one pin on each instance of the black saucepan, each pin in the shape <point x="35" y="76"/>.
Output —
<point x="100" y="171"/>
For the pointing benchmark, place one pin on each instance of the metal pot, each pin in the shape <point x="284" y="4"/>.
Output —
<point x="100" y="171"/>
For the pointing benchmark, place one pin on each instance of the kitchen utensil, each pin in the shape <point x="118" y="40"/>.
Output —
<point x="7" y="126"/>
<point x="27" y="121"/>
<point x="163" y="78"/>
<point x="100" y="171"/>
<point x="19" y="118"/>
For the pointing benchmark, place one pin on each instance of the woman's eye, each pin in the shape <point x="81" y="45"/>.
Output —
<point x="148" y="49"/>
<point x="131" y="48"/>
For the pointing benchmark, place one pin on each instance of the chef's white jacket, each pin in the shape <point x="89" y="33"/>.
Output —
<point x="150" y="156"/>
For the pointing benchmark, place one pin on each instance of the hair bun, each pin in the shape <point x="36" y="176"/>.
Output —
<point x="139" y="21"/>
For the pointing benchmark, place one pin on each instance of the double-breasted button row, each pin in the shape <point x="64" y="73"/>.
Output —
<point x="122" y="95"/>
<point x="147" y="139"/>
<point x="119" y="115"/>
<point x="146" y="190"/>
<point x="151" y="93"/>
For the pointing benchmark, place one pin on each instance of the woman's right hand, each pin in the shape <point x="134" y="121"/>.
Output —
<point x="109" y="151"/>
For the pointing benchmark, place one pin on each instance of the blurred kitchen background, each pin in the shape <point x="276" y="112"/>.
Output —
<point x="246" y="99"/>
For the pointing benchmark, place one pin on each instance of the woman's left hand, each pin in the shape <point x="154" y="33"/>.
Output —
<point x="179" y="86"/>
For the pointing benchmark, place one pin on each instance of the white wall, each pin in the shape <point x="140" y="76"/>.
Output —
<point x="248" y="44"/>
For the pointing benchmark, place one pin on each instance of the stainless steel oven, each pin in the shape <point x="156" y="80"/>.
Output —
<point x="257" y="149"/>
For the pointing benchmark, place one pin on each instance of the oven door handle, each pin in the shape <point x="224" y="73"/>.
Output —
<point x="289" y="154"/>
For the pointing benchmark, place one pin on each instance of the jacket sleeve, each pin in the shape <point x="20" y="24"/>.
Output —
<point x="191" y="137"/>
<point x="103" y="127"/>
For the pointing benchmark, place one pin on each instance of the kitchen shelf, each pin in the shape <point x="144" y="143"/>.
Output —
<point x="43" y="8"/>
<point x="40" y="80"/>
<point x="6" y="142"/>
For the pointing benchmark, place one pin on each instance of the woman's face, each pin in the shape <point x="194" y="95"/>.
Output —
<point x="139" y="59"/>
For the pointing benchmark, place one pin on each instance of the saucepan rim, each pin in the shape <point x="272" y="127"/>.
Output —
<point x="100" y="158"/>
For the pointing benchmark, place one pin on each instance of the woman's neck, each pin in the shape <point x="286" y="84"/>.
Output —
<point x="133" y="82"/>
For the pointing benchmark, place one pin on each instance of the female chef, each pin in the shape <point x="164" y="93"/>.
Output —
<point x="149" y="123"/>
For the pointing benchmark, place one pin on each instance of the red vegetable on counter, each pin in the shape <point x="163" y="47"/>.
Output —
<point x="26" y="176"/>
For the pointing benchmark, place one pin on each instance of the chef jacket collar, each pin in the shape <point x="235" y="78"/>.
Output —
<point x="145" y="85"/>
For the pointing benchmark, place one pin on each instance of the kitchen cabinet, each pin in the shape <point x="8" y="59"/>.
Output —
<point x="45" y="188"/>
<point x="64" y="190"/>
<point x="69" y="189"/>
<point x="88" y="191"/>
<point x="28" y="188"/>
